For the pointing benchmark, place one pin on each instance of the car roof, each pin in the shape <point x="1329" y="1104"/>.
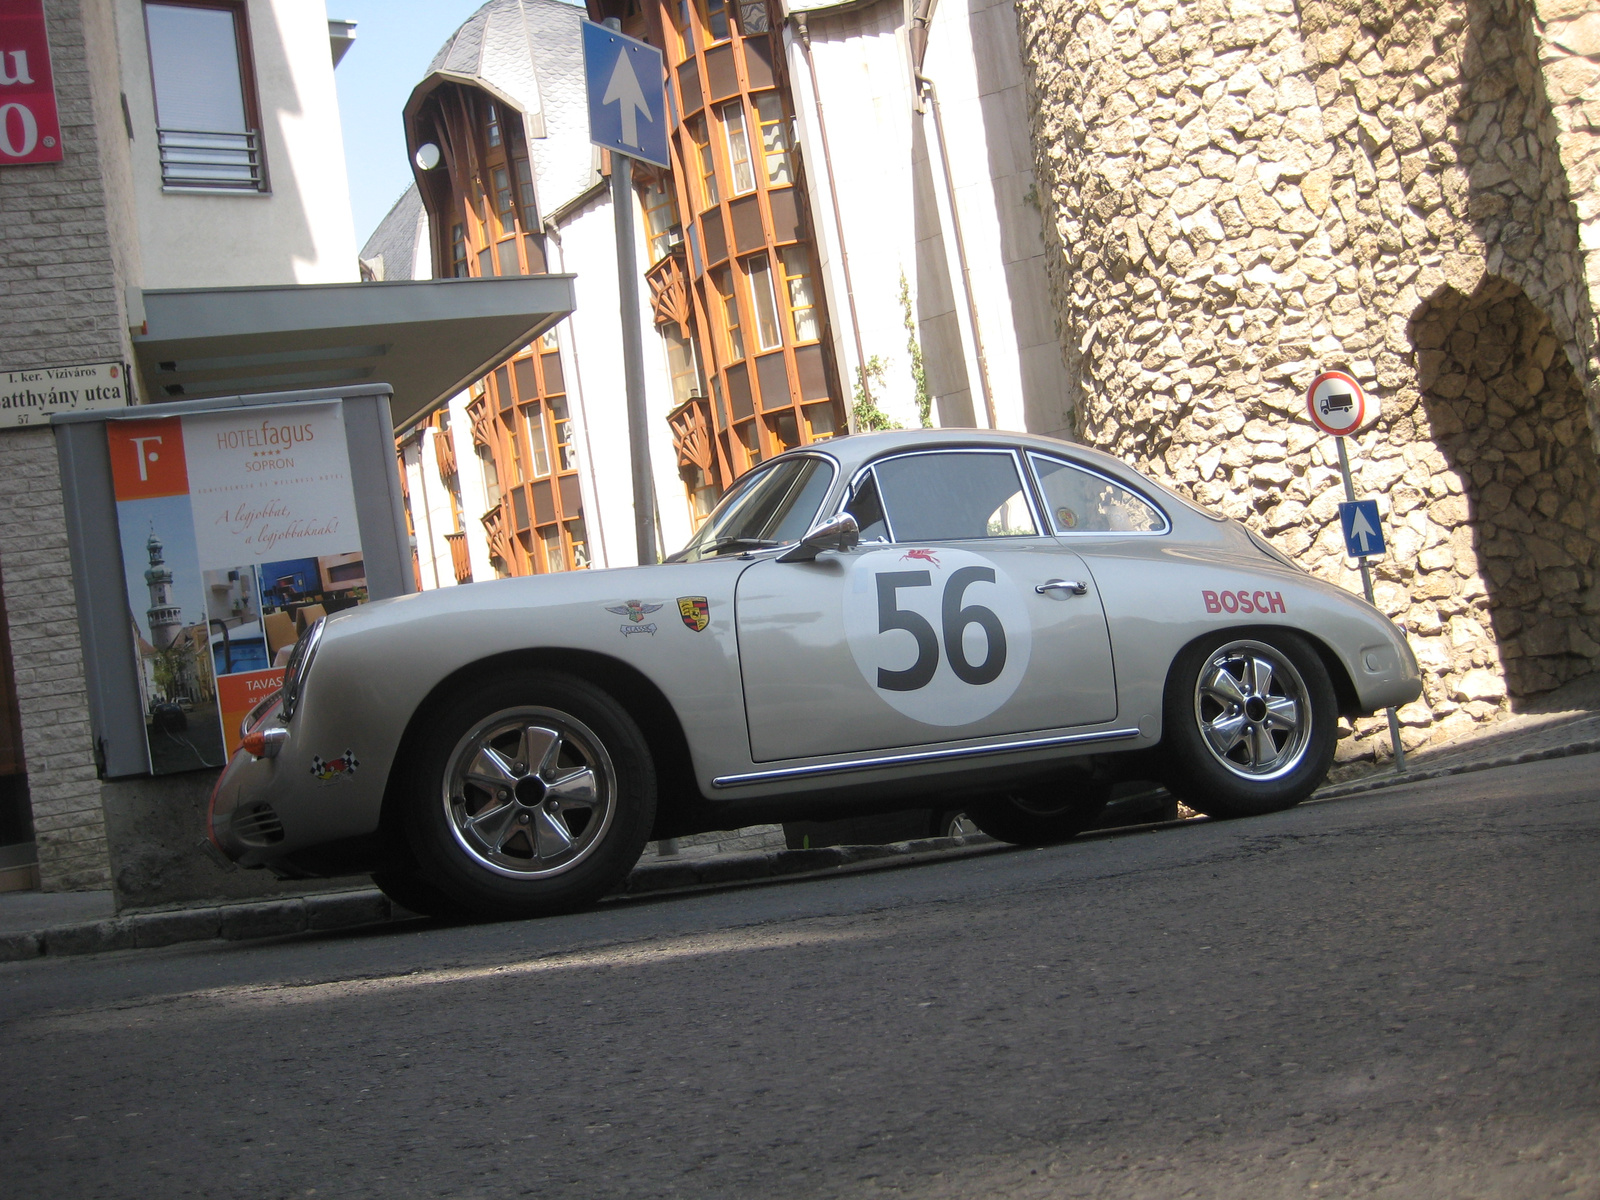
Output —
<point x="856" y="450"/>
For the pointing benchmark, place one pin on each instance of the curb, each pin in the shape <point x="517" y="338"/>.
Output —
<point x="351" y="909"/>
<point x="1390" y="779"/>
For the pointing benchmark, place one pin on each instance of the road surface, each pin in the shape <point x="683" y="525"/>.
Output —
<point x="1396" y="994"/>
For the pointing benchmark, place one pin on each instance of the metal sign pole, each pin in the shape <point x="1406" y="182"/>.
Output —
<point x="1366" y="587"/>
<point x="628" y="73"/>
<point x="644" y="507"/>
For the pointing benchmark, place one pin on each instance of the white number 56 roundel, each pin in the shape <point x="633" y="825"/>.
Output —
<point x="940" y="635"/>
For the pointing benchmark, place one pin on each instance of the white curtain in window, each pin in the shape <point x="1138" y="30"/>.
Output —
<point x="194" y="63"/>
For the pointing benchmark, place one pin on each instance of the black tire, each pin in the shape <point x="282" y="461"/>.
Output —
<point x="504" y="836"/>
<point x="416" y="895"/>
<point x="1259" y="744"/>
<point x="1043" y="814"/>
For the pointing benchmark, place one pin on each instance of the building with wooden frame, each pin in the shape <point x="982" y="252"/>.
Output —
<point x="742" y="366"/>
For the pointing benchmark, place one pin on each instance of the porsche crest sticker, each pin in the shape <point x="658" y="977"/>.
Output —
<point x="695" y="611"/>
<point x="635" y="611"/>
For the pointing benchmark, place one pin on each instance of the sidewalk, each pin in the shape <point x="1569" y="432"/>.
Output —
<point x="1566" y="722"/>
<point x="1560" y="723"/>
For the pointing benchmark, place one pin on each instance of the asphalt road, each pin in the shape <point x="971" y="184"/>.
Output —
<point x="1396" y="994"/>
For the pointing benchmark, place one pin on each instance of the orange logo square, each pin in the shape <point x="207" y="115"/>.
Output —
<point x="147" y="458"/>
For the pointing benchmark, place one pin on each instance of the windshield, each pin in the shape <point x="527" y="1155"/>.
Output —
<point x="769" y="507"/>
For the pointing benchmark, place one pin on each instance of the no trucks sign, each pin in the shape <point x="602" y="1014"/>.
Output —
<point x="1337" y="404"/>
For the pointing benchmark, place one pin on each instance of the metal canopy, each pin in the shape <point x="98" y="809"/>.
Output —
<point x="426" y="339"/>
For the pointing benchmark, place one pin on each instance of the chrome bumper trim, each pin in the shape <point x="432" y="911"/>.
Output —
<point x="921" y="756"/>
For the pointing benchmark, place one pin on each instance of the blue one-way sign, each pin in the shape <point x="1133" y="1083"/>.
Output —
<point x="627" y="101"/>
<point x="1363" y="532"/>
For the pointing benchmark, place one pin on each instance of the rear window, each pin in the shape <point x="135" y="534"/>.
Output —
<point x="1081" y="501"/>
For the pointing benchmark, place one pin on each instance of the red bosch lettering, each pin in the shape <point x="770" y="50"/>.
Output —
<point x="1244" y="602"/>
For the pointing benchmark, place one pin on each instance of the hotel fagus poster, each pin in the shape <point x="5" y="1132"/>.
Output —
<point x="238" y="531"/>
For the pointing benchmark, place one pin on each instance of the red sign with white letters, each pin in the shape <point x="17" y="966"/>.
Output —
<point x="30" y="130"/>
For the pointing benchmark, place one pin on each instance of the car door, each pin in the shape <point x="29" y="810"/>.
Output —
<point x="958" y="616"/>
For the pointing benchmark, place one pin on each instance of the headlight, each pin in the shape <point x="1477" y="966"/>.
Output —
<point x="259" y="712"/>
<point x="294" y="675"/>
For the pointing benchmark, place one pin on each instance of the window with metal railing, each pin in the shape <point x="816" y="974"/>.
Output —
<point x="208" y="128"/>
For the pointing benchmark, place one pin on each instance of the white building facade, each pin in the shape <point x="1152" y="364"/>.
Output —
<point x="912" y="121"/>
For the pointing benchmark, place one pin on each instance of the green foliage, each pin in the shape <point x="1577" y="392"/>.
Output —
<point x="869" y="417"/>
<point x="919" y="373"/>
<point x="169" y="664"/>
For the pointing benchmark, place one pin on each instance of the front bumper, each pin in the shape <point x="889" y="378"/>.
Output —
<point x="266" y="810"/>
<point x="244" y="822"/>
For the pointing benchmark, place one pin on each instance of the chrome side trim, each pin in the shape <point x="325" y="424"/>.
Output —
<point x="921" y="756"/>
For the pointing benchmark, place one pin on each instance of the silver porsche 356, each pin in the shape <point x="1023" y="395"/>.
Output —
<point x="1005" y="624"/>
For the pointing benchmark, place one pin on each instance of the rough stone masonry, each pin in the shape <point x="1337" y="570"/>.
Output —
<point x="1248" y="191"/>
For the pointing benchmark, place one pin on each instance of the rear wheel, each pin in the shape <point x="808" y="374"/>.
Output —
<point x="414" y="894"/>
<point x="534" y="795"/>
<point x="1250" y="722"/>
<point x="953" y="823"/>
<point x="1039" y="815"/>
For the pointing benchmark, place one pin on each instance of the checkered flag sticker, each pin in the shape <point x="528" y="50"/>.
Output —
<point x="327" y="769"/>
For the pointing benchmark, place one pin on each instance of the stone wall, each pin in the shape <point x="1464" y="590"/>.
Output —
<point x="1569" y="54"/>
<point x="1246" y="192"/>
<point x="60" y="303"/>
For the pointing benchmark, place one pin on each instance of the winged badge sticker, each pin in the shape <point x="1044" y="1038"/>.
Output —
<point x="635" y="611"/>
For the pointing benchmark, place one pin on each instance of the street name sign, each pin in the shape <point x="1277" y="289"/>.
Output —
<point x="1363" y="531"/>
<point x="1337" y="404"/>
<point x="29" y="397"/>
<point x="627" y="97"/>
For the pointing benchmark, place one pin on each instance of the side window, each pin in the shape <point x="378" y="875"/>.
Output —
<point x="1081" y="502"/>
<point x="954" y="495"/>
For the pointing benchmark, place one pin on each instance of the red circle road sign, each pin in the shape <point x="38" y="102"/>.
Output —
<point x="1337" y="404"/>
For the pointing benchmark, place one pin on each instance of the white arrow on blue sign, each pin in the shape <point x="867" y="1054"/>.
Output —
<point x="627" y="100"/>
<point x="1363" y="531"/>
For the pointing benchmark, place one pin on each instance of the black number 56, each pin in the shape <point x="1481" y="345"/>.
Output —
<point x="954" y="616"/>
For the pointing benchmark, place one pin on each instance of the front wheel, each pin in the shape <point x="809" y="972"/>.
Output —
<point x="1042" y="814"/>
<point x="1251" y="723"/>
<point x="533" y="794"/>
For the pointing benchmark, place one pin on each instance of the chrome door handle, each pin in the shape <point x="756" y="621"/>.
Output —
<point x="1062" y="585"/>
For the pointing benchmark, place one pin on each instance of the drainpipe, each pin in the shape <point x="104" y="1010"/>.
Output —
<point x="427" y="507"/>
<point x="598" y="533"/>
<point x="927" y="90"/>
<point x="838" y="221"/>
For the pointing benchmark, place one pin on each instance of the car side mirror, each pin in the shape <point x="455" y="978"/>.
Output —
<point x="837" y="533"/>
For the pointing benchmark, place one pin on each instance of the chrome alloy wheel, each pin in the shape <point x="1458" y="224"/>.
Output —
<point x="529" y="792"/>
<point x="1253" y="710"/>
